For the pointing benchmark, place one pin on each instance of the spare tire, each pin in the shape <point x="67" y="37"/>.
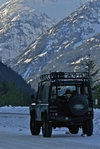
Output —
<point x="78" y="104"/>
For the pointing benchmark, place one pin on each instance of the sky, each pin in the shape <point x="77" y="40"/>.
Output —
<point x="4" y="1"/>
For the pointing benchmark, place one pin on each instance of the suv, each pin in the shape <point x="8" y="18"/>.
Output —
<point x="63" y="99"/>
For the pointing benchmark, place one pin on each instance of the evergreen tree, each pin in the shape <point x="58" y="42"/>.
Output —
<point x="14" y="96"/>
<point x="10" y="94"/>
<point x="90" y="68"/>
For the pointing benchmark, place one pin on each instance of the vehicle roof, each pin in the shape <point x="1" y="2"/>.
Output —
<point x="64" y="77"/>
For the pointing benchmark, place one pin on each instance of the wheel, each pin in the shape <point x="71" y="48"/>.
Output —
<point x="78" y="104"/>
<point x="34" y="127"/>
<point x="46" y="128"/>
<point x="88" y="127"/>
<point x="74" y="130"/>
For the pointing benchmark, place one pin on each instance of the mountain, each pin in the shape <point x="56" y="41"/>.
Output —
<point x="63" y="46"/>
<point x="22" y="21"/>
<point x="7" y="74"/>
<point x="20" y="24"/>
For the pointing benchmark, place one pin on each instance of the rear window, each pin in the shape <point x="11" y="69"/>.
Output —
<point x="77" y="88"/>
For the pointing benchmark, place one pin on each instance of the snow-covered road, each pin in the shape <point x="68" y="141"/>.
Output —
<point x="11" y="138"/>
<point x="15" y="133"/>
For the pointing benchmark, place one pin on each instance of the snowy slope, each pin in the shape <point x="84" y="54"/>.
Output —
<point x="59" y="48"/>
<point x="22" y="21"/>
<point x="19" y="26"/>
<point x="58" y="9"/>
<point x="55" y="9"/>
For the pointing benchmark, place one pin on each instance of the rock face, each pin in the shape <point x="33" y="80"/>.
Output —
<point x="20" y="24"/>
<point x="62" y="47"/>
<point x="22" y="21"/>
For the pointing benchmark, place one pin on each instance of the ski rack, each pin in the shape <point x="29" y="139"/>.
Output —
<point x="64" y="75"/>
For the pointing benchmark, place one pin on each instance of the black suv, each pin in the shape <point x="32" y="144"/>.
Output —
<point x="63" y="99"/>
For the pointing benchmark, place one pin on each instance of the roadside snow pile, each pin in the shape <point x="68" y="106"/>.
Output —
<point x="96" y="121"/>
<point x="10" y="109"/>
<point x="18" y="120"/>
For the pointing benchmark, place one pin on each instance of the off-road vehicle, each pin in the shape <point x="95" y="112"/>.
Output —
<point x="63" y="99"/>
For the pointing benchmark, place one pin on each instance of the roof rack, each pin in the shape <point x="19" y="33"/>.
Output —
<point x="63" y="75"/>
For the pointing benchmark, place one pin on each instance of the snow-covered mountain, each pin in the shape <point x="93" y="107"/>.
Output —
<point x="55" y="9"/>
<point x="63" y="46"/>
<point x="22" y="21"/>
<point x="20" y="24"/>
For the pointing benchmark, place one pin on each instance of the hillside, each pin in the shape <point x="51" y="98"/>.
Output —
<point x="22" y="21"/>
<point x="62" y="47"/>
<point x="7" y="74"/>
<point x="20" y="24"/>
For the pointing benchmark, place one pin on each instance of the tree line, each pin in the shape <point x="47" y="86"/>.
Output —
<point x="90" y="68"/>
<point x="13" y="88"/>
<point x="10" y="94"/>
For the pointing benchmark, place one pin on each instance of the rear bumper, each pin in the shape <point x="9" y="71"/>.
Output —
<point x="69" y="120"/>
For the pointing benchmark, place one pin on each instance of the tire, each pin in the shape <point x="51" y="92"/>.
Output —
<point x="34" y="127"/>
<point x="78" y="104"/>
<point x="88" y="127"/>
<point x="74" y="130"/>
<point x="46" y="128"/>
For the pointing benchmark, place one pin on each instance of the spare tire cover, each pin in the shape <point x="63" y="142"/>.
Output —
<point x="78" y="104"/>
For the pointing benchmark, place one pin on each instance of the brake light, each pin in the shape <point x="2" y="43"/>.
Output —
<point x="53" y="114"/>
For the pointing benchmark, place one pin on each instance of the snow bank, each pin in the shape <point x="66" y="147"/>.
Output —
<point x="22" y="121"/>
<point x="10" y="109"/>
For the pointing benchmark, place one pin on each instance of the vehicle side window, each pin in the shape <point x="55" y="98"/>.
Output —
<point x="45" y="94"/>
<point x="53" y="93"/>
<point x="84" y="90"/>
<point x="39" y="94"/>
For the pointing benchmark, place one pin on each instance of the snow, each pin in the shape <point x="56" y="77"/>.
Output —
<point x="56" y="9"/>
<point x="10" y="109"/>
<point x="18" y="118"/>
<point x="14" y="130"/>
